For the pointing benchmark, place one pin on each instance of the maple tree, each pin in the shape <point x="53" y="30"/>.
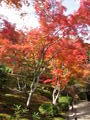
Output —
<point x="57" y="45"/>
<point x="63" y="34"/>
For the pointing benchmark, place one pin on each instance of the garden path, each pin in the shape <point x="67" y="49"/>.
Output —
<point x="82" y="111"/>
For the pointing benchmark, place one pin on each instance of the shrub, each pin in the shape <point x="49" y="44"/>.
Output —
<point x="4" y="76"/>
<point x="36" y="116"/>
<point x="48" y="109"/>
<point x="64" y="107"/>
<point x="64" y="102"/>
<point x="19" y="111"/>
<point x="82" y="95"/>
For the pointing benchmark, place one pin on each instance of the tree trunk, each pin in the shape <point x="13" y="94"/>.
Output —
<point x="33" y="87"/>
<point x="29" y="99"/>
<point x="18" y="84"/>
<point x="55" y="95"/>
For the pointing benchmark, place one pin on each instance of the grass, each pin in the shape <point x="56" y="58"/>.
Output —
<point x="58" y="118"/>
<point x="4" y="116"/>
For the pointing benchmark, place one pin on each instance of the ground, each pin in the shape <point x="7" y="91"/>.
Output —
<point x="82" y="111"/>
<point x="8" y="98"/>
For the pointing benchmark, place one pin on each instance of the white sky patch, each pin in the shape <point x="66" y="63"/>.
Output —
<point x="27" y="21"/>
<point x="71" y="5"/>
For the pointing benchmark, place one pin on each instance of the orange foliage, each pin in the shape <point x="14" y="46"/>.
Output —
<point x="17" y="3"/>
<point x="56" y="42"/>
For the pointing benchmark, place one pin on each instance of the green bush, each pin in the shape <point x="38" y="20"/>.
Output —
<point x="64" y="102"/>
<point x="36" y="116"/>
<point x="70" y="100"/>
<point x="48" y="109"/>
<point x="65" y="99"/>
<point x="19" y="111"/>
<point x="4" y="76"/>
<point x="82" y="96"/>
<point x="64" y="107"/>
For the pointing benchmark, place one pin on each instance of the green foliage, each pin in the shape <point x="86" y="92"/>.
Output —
<point x="65" y="99"/>
<point x="64" y="102"/>
<point x="5" y="69"/>
<point x="3" y="118"/>
<point x="72" y="81"/>
<point x="19" y="111"/>
<point x="58" y="118"/>
<point x="64" y="106"/>
<point x="82" y="95"/>
<point x="36" y="116"/>
<point x="4" y="76"/>
<point x="48" y="109"/>
<point x="88" y="53"/>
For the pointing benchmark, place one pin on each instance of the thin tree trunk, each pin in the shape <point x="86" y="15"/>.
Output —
<point x="29" y="99"/>
<point x="33" y="88"/>
<point x="55" y="95"/>
<point x="18" y="83"/>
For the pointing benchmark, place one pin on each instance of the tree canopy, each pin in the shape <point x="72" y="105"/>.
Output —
<point x="57" y="46"/>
